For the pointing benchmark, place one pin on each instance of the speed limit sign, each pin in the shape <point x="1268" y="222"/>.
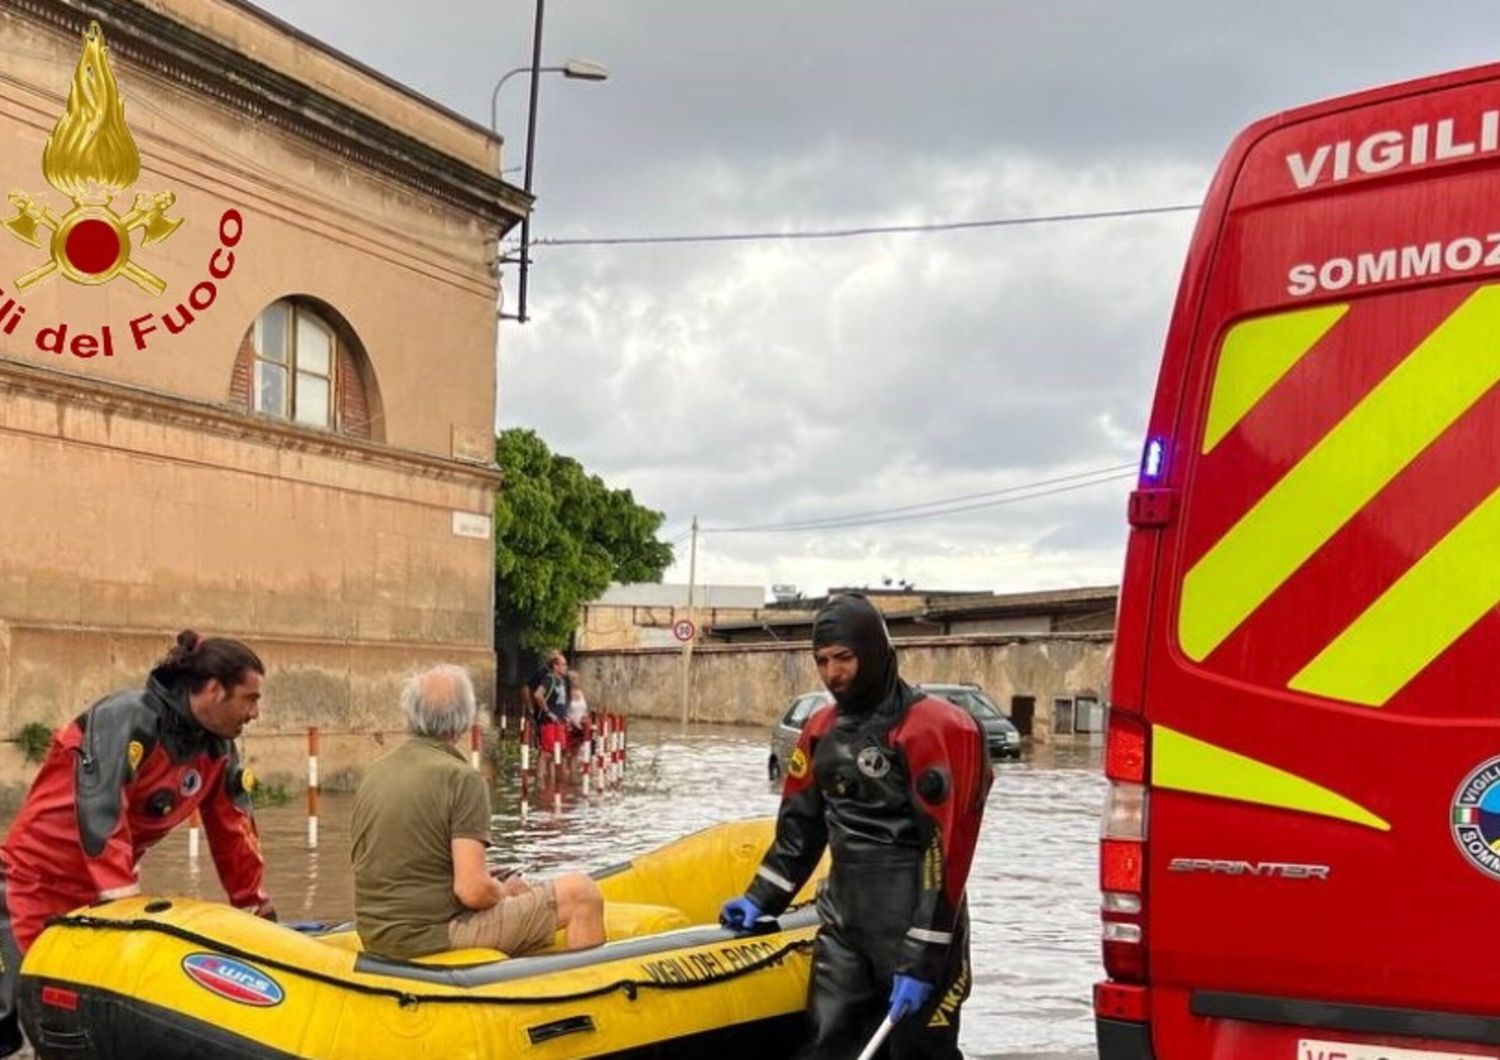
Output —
<point x="683" y="629"/>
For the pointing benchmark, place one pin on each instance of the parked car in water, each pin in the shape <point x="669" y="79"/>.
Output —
<point x="1000" y="733"/>
<point x="788" y="728"/>
<point x="1001" y="736"/>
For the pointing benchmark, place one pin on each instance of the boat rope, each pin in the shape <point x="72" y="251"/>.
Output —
<point x="405" y="998"/>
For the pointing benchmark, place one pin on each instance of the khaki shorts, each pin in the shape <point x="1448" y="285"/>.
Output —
<point x="512" y="925"/>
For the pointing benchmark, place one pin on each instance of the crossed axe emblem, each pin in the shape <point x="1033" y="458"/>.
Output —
<point x="98" y="226"/>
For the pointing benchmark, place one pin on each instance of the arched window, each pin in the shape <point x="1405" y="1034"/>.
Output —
<point x="300" y="361"/>
<point x="294" y="358"/>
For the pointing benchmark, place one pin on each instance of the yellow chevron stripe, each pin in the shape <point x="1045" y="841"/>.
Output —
<point x="1394" y="422"/>
<point x="1417" y="618"/>
<point x="1183" y="763"/>
<point x="1255" y="355"/>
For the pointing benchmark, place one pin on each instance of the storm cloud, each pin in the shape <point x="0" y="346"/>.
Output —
<point x="774" y="382"/>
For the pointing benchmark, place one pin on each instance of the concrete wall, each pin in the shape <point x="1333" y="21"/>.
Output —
<point x="750" y="684"/>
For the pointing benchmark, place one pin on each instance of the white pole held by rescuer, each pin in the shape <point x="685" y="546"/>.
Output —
<point x="881" y="1034"/>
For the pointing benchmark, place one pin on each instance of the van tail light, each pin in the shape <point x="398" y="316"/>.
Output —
<point x="1122" y="857"/>
<point x="1125" y="747"/>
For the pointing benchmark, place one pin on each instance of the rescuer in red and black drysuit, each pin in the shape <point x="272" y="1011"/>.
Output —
<point x="119" y="778"/>
<point x="894" y="782"/>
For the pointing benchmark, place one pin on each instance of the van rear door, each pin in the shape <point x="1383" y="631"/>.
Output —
<point x="1308" y="663"/>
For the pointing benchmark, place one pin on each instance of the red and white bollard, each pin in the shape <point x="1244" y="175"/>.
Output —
<point x="616" y="773"/>
<point x="624" y="745"/>
<point x="476" y="741"/>
<point x="195" y="836"/>
<point x="312" y="787"/>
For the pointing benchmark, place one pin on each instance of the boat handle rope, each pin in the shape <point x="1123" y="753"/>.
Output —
<point x="629" y="987"/>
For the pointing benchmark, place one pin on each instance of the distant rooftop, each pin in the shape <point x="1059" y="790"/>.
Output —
<point x="1046" y="599"/>
<point x="650" y="594"/>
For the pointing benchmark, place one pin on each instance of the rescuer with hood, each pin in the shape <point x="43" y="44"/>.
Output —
<point x="894" y="781"/>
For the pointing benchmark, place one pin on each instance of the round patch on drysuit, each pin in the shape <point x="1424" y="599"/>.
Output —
<point x="873" y="763"/>
<point x="135" y="752"/>
<point x="192" y="780"/>
<point x="161" y="802"/>
<point x="932" y="785"/>
<point x="797" y="767"/>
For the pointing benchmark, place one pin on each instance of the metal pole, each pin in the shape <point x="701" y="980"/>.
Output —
<point x="536" y="76"/>
<point x="687" y="647"/>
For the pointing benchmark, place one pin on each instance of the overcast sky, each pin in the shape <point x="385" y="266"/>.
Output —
<point x="777" y="382"/>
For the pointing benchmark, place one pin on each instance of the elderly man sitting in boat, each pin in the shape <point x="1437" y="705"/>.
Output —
<point x="421" y="825"/>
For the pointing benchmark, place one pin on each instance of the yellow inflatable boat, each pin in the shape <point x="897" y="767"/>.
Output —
<point x="169" y="978"/>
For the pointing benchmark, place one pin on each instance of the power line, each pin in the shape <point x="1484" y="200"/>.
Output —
<point x="813" y="524"/>
<point x="911" y="517"/>
<point x="866" y="230"/>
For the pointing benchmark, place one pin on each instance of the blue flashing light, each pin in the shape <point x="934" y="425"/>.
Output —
<point x="1154" y="460"/>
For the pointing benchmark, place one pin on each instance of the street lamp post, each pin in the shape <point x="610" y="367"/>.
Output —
<point x="576" y="69"/>
<point x="580" y="69"/>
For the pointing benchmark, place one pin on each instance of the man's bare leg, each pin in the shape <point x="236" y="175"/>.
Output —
<point x="580" y="911"/>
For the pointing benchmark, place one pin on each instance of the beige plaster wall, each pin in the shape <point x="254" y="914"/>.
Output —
<point x="268" y="40"/>
<point x="411" y="276"/>
<point x="123" y="526"/>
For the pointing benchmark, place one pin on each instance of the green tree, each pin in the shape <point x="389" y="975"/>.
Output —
<point x="561" y="536"/>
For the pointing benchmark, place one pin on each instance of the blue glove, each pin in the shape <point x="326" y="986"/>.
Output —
<point x="739" y="914"/>
<point x="907" y="995"/>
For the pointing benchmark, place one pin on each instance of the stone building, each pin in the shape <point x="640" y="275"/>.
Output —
<point x="643" y="615"/>
<point x="247" y="365"/>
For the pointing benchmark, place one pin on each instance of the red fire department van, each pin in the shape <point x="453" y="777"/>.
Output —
<point x="1301" y="846"/>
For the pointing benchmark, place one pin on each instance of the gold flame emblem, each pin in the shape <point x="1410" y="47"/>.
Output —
<point x="90" y="157"/>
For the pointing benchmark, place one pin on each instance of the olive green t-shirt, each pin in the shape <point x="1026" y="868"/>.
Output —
<point x="413" y="802"/>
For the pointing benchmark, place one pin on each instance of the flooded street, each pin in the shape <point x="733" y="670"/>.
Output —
<point x="1032" y="891"/>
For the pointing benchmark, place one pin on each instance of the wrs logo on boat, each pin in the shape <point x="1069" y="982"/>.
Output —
<point x="91" y="159"/>
<point x="233" y="979"/>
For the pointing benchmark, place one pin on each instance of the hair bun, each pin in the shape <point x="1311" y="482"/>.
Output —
<point x="188" y="640"/>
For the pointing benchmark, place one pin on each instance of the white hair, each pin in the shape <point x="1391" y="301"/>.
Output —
<point x="439" y="703"/>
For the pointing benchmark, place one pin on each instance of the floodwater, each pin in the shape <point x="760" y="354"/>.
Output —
<point x="1032" y="892"/>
